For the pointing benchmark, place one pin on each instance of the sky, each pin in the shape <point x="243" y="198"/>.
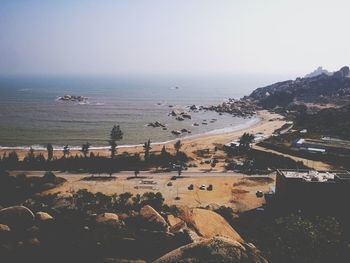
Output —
<point x="178" y="36"/>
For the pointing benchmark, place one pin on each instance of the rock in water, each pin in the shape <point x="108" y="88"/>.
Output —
<point x="17" y="217"/>
<point x="216" y="249"/>
<point x="152" y="215"/>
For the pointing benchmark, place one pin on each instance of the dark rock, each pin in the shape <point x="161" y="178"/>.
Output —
<point x="217" y="249"/>
<point x="17" y="217"/>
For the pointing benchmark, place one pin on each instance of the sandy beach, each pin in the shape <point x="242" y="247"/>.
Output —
<point x="267" y="123"/>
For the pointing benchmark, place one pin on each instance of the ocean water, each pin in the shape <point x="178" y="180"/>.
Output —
<point x="31" y="115"/>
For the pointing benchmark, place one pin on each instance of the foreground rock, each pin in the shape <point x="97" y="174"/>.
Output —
<point x="208" y="224"/>
<point x="217" y="249"/>
<point x="16" y="216"/>
<point x="42" y="216"/>
<point x="108" y="218"/>
<point x="153" y="216"/>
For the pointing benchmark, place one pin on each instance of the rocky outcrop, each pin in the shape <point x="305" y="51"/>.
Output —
<point x="208" y="224"/>
<point x="322" y="88"/>
<point x="216" y="249"/>
<point x="151" y="215"/>
<point x="16" y="217"/>
<point x="73" y="98"/>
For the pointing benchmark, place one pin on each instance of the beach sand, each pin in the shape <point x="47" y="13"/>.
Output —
<point x="268" y="122"/>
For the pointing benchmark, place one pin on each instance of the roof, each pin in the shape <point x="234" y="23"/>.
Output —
<point x="314" y="176"/>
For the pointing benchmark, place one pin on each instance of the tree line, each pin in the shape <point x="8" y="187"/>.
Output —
<point x="88" y="161"/>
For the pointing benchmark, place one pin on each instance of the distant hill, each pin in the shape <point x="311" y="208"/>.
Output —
<point x="321" y="88"/>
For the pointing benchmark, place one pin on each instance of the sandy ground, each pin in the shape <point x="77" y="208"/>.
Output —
<point x="229" y="189"/>
<point x="267" y="124"/>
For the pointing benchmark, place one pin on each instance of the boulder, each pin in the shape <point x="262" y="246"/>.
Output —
<point x="107" y="218"/>
<point x="216" y="249"/>
<point x="16" y="216"/>
<point x="4" y="229"/>
<point x="173" y="220"/>
<point x="153" y="216"/>
<point x="42" y="216"/>
<point x="198" y="219"/>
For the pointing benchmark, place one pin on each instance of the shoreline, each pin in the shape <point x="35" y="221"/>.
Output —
<point x="39" y="147"/>
<point x="266" y="122"/>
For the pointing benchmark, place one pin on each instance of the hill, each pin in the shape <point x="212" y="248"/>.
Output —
<point x="320" y="89"/>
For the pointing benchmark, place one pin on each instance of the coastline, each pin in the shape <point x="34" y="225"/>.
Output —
<point x="265" y="123"/>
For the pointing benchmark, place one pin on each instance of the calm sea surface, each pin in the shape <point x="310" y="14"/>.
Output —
<point x="30" y="113"/>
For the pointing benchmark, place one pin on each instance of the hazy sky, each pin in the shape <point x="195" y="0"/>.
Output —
<point x="178" y="36"/>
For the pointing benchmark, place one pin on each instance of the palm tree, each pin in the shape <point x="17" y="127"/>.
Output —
<point x="49" y="149"/>
<point x="85" y="149"/>
<point x="115" y="135"/>
<point x="147" y="147"/>
<point x="66" y="150"/>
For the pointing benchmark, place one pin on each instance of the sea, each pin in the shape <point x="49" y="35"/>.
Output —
<point x="31" y="114"/>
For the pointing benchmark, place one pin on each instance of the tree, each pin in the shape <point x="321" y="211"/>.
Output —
<point x="85" y="149"/>
<point x="179" y="170"/>
<point x="147" y="147"/>
<point x="66" y="150"/>
<point x="177" y="146"/>
<point x="245" y="141"/>
<point x="115" y="135"/>
<point x="30" y="155"/>
<point x="49" y="149"/>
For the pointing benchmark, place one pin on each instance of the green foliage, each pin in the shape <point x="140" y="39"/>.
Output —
<point x="49" y="177"/>
<point x="227" y="213"/>
<point x="177" y="146"/>
<point x="156" y="200"/>
<point x="49" y="149"/>
<point x="147" y="147"/>
<point x="66" y="151"/>
<point x="245" y="141"/>
<point x="85" y="148"/>
<point x="294" y="238"/>
<point x="115" y="135"/>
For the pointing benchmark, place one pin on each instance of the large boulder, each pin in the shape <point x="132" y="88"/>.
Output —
<point x="208" y="224"/>
<point x="216" y="249"/>
<point x="151" y="215"/>
<point x="16" y="217"/>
